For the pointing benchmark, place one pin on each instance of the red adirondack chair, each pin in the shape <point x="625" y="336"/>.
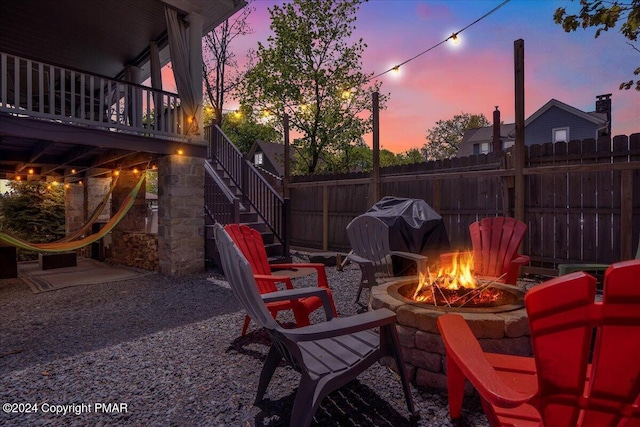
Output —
<point x="586" y="356"/>
<point x="495" y="243"/>
<point x="250" y="243"/>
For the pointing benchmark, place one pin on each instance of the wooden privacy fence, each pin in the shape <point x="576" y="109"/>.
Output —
<point x="581" y="201"/>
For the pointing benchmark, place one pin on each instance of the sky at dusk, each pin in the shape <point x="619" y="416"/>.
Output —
<point x="477" y="75"/>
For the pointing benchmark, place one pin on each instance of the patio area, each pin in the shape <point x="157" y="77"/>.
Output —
<point x="169" y="349"/>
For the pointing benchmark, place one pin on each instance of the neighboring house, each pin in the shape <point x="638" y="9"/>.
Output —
<point x="554" y="122"/>
<point x="268" y="156"/>
<point x="479" y="140"/>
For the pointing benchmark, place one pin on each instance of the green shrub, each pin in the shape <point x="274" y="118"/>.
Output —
<point x="33" y="211"/>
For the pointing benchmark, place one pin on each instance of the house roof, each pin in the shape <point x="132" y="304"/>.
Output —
<point x="273" y="151"/>
<point x="98" y="36"/>
<point x="507" y="131"/>
<point x="484" y="134"/>
<point x="597" y="118"/>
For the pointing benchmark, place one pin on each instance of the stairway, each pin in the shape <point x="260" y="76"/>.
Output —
<point x="218" y="181"/>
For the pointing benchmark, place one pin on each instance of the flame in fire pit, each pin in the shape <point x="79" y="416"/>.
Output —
<point x="455" y="285"/>
<point x="458" y="274"/>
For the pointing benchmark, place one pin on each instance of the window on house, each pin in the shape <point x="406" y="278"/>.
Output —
<point x="507" y="144"/>
<point x="481" y="148"/>
<point x="258" y="159"/>
<point x="561" y="135"/>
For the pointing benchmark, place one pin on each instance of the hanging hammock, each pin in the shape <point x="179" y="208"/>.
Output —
<point x="94" y="216"/>
<point x="77" y="244"/>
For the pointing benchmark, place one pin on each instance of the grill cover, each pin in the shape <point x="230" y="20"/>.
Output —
<point x="414" y="226"/>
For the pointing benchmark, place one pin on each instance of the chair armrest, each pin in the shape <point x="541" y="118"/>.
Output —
<point x="343" y="326"/>
<point x="359" y="260"/>
<point x="292" y="294"/>
<point x="275" y="279"/>
<point x="463" y="349"/>
<point x="570" y="268"/>
<point x="521" y="259"/>
<point x="320" y="269"/>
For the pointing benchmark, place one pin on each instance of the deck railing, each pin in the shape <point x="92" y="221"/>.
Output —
<point x="35" y="89"/>
<point x="256" y="191"/>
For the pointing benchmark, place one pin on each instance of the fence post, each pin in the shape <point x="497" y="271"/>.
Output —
<point x="286" y="227"/>
<point x="325" y="217"/>
<point x="519" y="148"/>
<point x="374" y="193"/>
<point x="626" y="215"/>
<point x="287" y="159"/>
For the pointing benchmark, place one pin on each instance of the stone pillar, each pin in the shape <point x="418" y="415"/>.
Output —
<point x="133" y="221"/>
<point x="74" y="216"/>
<point x="94" y="192"/>
<point x="180" y="215"/>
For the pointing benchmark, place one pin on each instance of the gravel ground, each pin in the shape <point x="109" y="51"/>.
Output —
<point x="160" y="351"/>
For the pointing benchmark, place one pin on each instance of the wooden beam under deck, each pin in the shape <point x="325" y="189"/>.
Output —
<point x="23" y="127"/>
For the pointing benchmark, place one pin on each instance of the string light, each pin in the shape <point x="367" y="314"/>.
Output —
<point x="453" y="37"/>
<point x="179" y="151"/>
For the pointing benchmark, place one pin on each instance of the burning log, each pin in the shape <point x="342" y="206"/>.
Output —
<point x="455" y="285"/>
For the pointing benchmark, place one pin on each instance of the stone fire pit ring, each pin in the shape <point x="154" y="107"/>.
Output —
<point x="422" y="346"/>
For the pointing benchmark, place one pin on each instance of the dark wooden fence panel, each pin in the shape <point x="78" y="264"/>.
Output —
<point x="582" y="199"/>
<point x="306" y="216"/>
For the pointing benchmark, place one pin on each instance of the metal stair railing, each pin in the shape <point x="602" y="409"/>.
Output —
<point x="219" y="202"/>
<point x="256" y="191"/>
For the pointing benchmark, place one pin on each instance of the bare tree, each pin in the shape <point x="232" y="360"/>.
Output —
<point x="219" y="65"/>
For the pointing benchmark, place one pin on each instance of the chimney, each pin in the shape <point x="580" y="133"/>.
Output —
<point x="495" y="141"/>
<point x="603" y="105"/>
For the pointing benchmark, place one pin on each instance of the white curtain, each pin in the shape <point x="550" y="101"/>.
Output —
<point x="179" y="49"/>
<point x="156" y="75"/>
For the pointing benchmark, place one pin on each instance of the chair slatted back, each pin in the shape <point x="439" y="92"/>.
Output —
<point x="495" y="243"/>
<point x="562" y="317"/>
<point x="369" y="239"/>
<point x="239" y="274"/>
<point x="250" y="243"/>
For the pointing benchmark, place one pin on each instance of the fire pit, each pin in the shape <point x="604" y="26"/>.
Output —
<point x="494" y="312"/>
<point x="455" y="288"/>
<point x="497" y="298"/>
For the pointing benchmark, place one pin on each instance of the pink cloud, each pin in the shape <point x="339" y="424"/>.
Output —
<point x="433" y="12"/>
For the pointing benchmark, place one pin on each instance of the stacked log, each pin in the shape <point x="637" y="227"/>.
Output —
<point x="140" y="251"/>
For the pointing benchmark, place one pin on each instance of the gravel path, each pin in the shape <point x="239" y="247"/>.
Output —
<point x="168" y="352"/>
